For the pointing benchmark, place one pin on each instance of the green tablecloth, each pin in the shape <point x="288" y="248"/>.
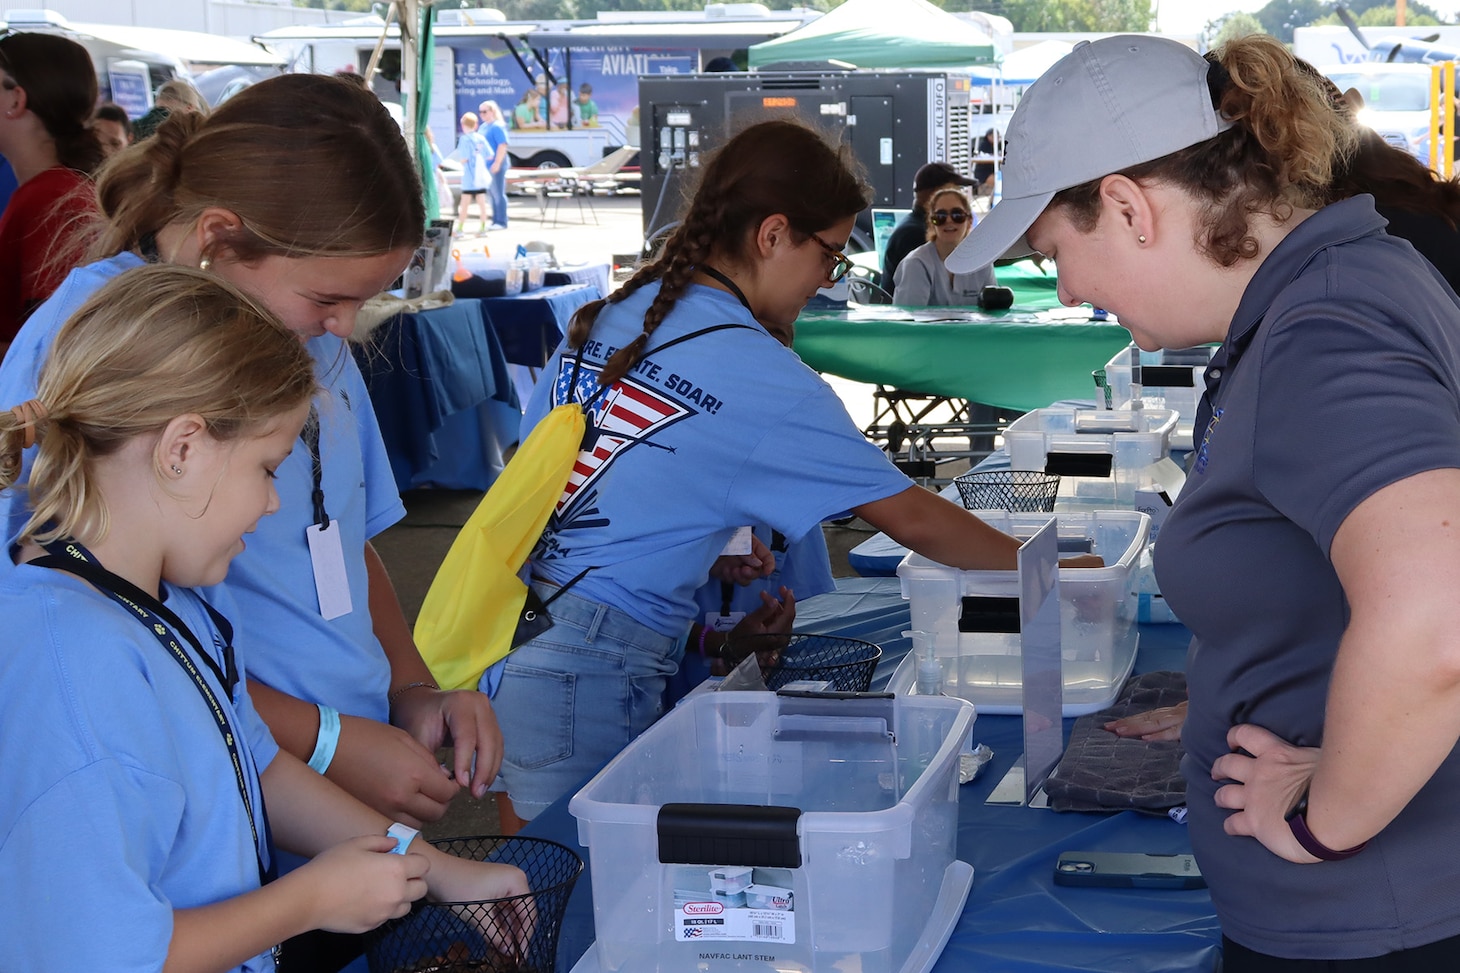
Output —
<point x="1025" y="358"/>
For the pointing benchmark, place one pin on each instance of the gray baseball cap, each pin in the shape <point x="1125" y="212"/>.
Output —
<point x="1106" y="106"/>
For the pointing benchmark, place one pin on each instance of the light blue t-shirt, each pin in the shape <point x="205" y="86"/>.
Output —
<point x="726" y="429"/>
<point x="120" y="803"/>
<point x="469" y="148"/>
<point x="289" y="645"/>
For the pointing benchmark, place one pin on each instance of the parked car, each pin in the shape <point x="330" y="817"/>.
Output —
<point x="1396" y="100"/>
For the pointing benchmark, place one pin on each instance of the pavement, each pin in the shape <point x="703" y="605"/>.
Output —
<point x="605" y="228"/>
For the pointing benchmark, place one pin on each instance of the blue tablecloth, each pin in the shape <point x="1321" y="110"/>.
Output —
<point x="444" y="398"/>
<point x="598" y="274"/>
<point x="1015" y="918"/>
<point x="531" y="324"/>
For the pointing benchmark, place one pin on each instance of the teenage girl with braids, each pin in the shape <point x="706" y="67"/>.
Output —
<point x="133" y="826"/>
<point x="696" y="433"/>
<point x="268" y="193"/>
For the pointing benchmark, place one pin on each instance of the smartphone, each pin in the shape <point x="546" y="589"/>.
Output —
<point x="1128" y="870"/>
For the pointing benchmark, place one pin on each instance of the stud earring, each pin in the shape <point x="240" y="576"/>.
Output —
<point x="1141" y="238"/>
<point x="176" y="470"/>
<point x="207" y="262"/>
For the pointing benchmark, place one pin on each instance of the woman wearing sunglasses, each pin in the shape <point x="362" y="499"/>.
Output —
<point x="922" y="280"/>
<point x="702" y="420"/>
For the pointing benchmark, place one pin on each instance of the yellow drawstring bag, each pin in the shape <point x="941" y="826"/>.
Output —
<point x="478" y="608"/>
<point x="475" y="601"/>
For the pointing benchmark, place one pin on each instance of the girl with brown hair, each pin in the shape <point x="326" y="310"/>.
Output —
<point x="142" y="789"/>
<point x="47" y="93"/>
<point x="300" y="191"/>
<point x="702" y="421"/>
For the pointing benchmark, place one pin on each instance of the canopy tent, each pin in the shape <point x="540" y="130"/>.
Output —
<point x="1023" y="66"/>
<point x="882" y="34"/>
<point x="416" y="30"/>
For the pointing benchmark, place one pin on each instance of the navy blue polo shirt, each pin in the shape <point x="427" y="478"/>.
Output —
<point x="1340" y="375"/>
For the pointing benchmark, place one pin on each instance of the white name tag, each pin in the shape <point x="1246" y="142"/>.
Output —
<point x="739" y="542"/>
<point x="716" y="622"/>
<point x="331" y="582"/>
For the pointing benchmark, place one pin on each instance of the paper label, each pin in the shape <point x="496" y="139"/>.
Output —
<point x="762" y="911"/>
<point x="739" y="542"/>
<point x="716" y="622"/>
<point x="331" y="582"/>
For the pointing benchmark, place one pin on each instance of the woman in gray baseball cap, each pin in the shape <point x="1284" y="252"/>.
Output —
<point x="1313" y="551"/>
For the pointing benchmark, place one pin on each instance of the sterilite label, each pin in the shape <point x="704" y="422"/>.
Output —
<point x="734" y="902"/>
<point x="712" y="921"/>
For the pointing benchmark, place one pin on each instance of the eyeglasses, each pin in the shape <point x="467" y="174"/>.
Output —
<point x="944" y="215"/>
<point x="841" y="264"/>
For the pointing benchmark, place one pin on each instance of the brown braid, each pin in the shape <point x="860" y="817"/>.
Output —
<point x="779" y="166"/>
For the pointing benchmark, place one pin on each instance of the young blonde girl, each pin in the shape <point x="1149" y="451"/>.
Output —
<point x="137" y="771"/>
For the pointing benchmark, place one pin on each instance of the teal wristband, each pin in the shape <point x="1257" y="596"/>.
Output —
<point x="403" y="836"/>
<point x="327" y="740"/>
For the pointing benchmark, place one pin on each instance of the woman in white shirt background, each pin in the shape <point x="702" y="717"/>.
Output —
<point x="921" y="279"/>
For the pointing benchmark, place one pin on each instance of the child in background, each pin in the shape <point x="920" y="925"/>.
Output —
<point x="587" y="107"/>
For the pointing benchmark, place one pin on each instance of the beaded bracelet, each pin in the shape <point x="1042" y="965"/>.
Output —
<point x="409" y="686"/>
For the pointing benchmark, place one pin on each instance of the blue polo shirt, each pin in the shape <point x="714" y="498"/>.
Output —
<point x="1340" y="375"/>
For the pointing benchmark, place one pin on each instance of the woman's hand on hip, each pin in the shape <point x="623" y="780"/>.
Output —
<point x="1267" y="777"/>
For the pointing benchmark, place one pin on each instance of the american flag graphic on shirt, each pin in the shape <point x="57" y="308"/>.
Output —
<point x="625" y="415"/>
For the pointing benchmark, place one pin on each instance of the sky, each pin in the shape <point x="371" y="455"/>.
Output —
<point x="1190" y="16"/>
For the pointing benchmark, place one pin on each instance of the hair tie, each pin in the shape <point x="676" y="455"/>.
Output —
<point x="27" y="414"/>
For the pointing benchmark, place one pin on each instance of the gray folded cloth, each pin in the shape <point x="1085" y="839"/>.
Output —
<point x="1103" y="772"/>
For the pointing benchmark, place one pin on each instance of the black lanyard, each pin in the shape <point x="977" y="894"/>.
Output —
<point x="310" y="435"/>
<point x="157" y="618"/>
<point x="734" y="289"/>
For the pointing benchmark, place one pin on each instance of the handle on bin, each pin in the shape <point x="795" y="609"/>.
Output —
<point x="836" y="716"/>
<point x="1079" y="464"/>
<point x="729" y="834"/>
<point x="980" y="613"/>
<point x="1168" y="376"/>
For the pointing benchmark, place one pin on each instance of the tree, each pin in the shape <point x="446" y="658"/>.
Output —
<point x="1279" y="17"/>
<point x="1077" y="15"/>
<point x="1235" y="26"/>
<point x="1415" y="16"/>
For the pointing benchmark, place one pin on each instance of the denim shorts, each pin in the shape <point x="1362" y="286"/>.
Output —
<point x="576" y="695"/>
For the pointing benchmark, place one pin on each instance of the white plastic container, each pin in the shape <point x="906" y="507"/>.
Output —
<point x="1100" y="455"/>
<point x="1098" y="610"/>
<point x="846" y="812"/>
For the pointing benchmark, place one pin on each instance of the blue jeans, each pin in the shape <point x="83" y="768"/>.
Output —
<point x="576" y="695"/>
<point x="498" y="192"/>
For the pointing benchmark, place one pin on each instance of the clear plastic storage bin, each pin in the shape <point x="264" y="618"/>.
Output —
<point x="844" y="812"/>
<point x="1101" y="456"/>
<point x="972" y="616"/>
<point x="1173" y="378"/>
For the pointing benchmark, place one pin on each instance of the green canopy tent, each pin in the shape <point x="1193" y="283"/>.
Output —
<point x="882" y="34"/>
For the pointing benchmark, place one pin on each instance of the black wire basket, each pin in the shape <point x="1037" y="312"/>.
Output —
<point x="487" y="936"/>
<point x="1018" y="491"/>
<point x="847" y="664"/>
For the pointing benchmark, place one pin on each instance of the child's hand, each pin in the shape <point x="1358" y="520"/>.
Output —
<point x="360" y="884"/>
<point x="510" y="925"/>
